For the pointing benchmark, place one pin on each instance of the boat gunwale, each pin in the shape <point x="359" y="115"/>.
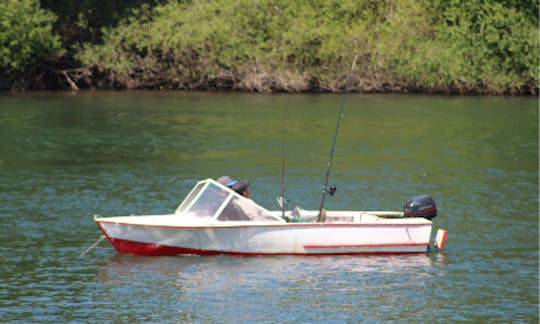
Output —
<point x="267" y="224"/>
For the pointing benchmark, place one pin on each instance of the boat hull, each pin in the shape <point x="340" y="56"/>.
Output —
<point x="392" y="237"/>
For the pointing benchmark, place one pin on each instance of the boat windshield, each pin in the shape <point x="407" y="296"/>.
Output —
<point x="189" y="199"/>
<point x="210" y="199"/>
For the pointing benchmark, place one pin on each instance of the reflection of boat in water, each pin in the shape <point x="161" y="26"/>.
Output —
<point x="213" y="219"/>
<point x="121" y="265"/>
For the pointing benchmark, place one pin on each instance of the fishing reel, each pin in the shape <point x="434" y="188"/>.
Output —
<point x="332" y="190"/>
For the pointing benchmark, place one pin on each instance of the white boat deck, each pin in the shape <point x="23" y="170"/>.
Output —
<point x="306" y="217"/>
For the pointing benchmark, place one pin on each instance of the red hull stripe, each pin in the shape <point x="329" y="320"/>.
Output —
<point x="125" y="246"/>
<point x="338" y="246"/>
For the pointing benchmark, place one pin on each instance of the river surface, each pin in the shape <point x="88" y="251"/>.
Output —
<point x="65" y="157"/>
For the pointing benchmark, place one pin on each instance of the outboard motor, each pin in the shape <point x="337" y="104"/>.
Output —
<point x="420" y="206"/>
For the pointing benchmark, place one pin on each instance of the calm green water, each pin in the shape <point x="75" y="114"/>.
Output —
<point x="65" y="157"/>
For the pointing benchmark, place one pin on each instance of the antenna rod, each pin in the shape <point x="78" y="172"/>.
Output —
<point x="340" y="116"/>
<point x="283" y="165"/>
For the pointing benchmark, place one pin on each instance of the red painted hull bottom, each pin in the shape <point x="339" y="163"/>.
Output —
<point x="125" y="246"/>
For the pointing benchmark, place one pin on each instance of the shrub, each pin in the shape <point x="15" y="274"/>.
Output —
<point x="296" y="45"/>
<point x="25" y="35"/>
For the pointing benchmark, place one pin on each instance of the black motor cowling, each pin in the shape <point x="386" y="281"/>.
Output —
<point x="420" y="206"/>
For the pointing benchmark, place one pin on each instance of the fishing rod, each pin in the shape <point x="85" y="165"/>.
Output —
<point x="283" y="171"/>
<point x="281" y="200"/>
<point x="340" y="116"/>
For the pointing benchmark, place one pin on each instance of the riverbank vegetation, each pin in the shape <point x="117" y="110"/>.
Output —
<point x="455" y="46"/>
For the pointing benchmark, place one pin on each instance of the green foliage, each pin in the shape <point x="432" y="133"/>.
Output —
<point x="25" y="35"/>
<point x="408" y="43"/>
<point x="204" y="40"/>
<point x="486" y="46"/>
<point x="82" y="20"/>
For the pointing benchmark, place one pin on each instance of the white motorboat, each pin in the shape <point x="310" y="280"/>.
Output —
<point x="214" y="219"/>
